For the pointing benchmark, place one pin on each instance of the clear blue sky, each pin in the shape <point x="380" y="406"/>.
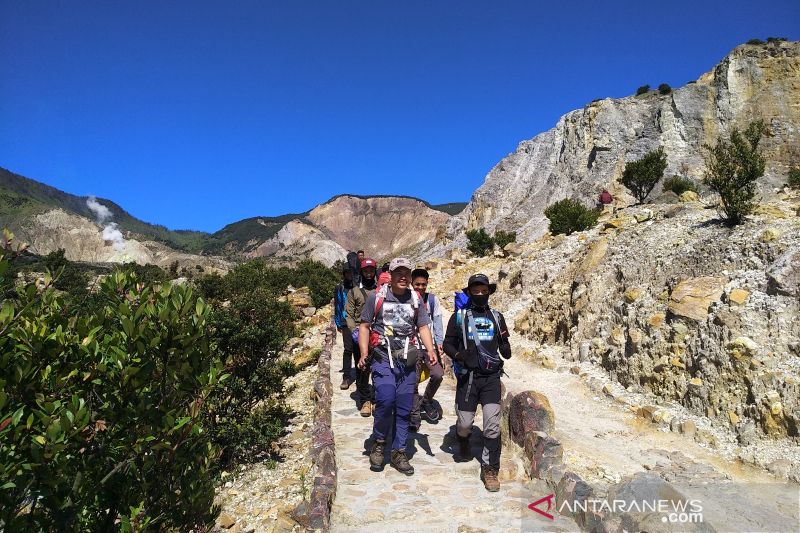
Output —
<point x="197" y="114"/>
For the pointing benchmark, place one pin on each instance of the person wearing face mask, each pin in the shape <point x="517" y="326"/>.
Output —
<point x="477" y="340"/>
<point x="354" y="305"/>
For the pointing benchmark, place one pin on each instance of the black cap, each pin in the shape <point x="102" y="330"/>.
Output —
<point x="480" y="279"/>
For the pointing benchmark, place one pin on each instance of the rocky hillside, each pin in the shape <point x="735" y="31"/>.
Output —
<point x="588" y="148"/>
<point x="50" y="219"/>
<point x="690" y="315"/>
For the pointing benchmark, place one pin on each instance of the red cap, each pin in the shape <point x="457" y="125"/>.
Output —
<point x="368" y="263"/>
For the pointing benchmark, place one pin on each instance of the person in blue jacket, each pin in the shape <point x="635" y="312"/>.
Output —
<point x="340" y="318"/>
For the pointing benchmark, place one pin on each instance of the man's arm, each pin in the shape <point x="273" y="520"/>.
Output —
<point x="427" y="340"/>
<point x="450" y="343"/>
<point x="363" y="344"/>
<point x="503" y="345"/>
<point x="438" y="330"/>
<point x="350" y="309"/>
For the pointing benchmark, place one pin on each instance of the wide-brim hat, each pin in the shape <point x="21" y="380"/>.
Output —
<point x="479" y="279"/>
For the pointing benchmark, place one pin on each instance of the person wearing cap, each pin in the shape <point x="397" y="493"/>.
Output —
<point x="340" y="318"/>
<point x="392" y="320"/>
<point x="476" y="338"/>
<point x="356" y="298"/>
<point x="424" y="403"/>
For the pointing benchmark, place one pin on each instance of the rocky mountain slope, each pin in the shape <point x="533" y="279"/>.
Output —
<point x="698" y="320"/>
<point x="49" y="219"/>
<point x="588" y="148"/>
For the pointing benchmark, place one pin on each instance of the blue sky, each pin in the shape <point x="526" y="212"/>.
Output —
<point x="197" y="114"/>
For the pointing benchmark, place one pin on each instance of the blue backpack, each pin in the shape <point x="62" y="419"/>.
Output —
<point x="461" y="300"/>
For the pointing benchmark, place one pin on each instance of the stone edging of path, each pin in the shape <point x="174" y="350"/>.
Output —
<point x="323" y="451"/>
<point x="530" y="423"/>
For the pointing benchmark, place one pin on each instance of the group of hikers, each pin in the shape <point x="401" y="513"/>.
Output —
<point x="391" y="328"/>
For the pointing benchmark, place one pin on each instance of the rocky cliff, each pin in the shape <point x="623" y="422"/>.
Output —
<point x="588" y="148"/>
<point x="83" y="240"/>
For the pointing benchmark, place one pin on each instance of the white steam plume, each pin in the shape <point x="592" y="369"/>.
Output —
<point x="111" y="231"/>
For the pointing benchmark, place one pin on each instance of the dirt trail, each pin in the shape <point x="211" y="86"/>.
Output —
<point x="603" y="442"/>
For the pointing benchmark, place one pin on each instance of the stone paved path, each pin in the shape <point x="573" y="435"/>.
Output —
<point x="441" y="495"/>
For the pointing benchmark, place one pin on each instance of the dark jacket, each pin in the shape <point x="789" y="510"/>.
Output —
<point x="453" y="339"/>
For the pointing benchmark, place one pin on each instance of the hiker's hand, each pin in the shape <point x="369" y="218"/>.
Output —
<point x="432" y="359"/>
<point x="362" y="362"/>
<point x="441" y="348"/>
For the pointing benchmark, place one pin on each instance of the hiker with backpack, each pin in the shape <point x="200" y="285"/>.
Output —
<point x="356" y="298"/>
<point x="424" y="404"/>
<point x="340" y="318"/>
<point x="354" y="262"/>
<point x="476" y="338"/>
<point x="393" y="320"/>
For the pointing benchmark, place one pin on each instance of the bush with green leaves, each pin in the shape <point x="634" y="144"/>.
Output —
<point x="732" y="168"/>
<point x="257" y="273"/>
<point x="644" y="89"/>
<point x="502" y="238"/>
<point x="679" y="185"/>
<point x="479" y="242"/>
<point x="249" y="413"/>
<point x="640" y="177"/>
<point x="755" y="41"/>
<point x="568" y="216"/>
<point x="101" y="413"/>
<point x="794" y="178"/>
<point x="664" y="89"/>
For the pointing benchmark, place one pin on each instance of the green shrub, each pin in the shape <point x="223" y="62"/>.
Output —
<point x="733" y="166"/>
<point x="776" y="39"/>
<point x="479" y="242"/>
<point x="641" y="177"/>
<point x="257" y="273"/>
<point x="755" y="41"/>
<point x="100" y="413"/>
<point x="679" y="185"/>
<point x="249" y="413"/>
<point x="568" y="216"/>
<point x="644" y="89"/>
<point x="794" y="178"/>
<point x="664" y="89"/>
<point x="502" y="238"/>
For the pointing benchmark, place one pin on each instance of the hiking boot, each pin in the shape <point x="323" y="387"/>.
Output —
<point x="489" y="478"/>
<point x="366" y="408"/>
<point x="346" y="382"/>
<point x="400" y="462"/>
<point x="376" y="455"/>
<point x="430" y="411"/>
<point x="463" y="454"/>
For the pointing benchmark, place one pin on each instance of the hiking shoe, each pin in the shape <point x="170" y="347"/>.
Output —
<point x="366" y="408"/>
<point x="463" y="454"/>
<point x="489" y="478"/>
<point x="346" y="382"/>
<point x="376" y="455"/>
<point x="430" y="411"/>
<point x="400" y="462"/>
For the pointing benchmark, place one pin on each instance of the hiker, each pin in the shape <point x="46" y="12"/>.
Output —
<point x="354" y="262"/>
<point x="604" y="199"/>
<point x="476" y="337"/>
<point x="419" y="281"/>
<point x="383" y="279"/>
<point x="393" y="319"/>
<point x="339" y="317"/>
<point x="356" y="298"/>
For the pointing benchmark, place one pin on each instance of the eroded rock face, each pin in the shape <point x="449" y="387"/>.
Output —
<point x="588" y="148"/>
<point x="300" y="240"/>
<point x="381" y="226"/>
<point x="82" y="240"/>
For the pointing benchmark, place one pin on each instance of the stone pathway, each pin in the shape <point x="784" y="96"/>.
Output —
<point x="442" y="495"/>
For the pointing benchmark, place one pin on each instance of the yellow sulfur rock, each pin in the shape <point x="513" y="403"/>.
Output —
<point x="739" y="296"/>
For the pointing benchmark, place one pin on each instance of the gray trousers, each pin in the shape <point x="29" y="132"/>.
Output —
<point x="475" y="389"/>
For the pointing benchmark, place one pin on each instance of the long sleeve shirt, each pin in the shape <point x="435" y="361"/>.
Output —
<point x="493" y="336"/>
<point x="356" y="298"/>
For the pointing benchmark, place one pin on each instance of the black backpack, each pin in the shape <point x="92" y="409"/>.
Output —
<point x="355" y="267"/>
